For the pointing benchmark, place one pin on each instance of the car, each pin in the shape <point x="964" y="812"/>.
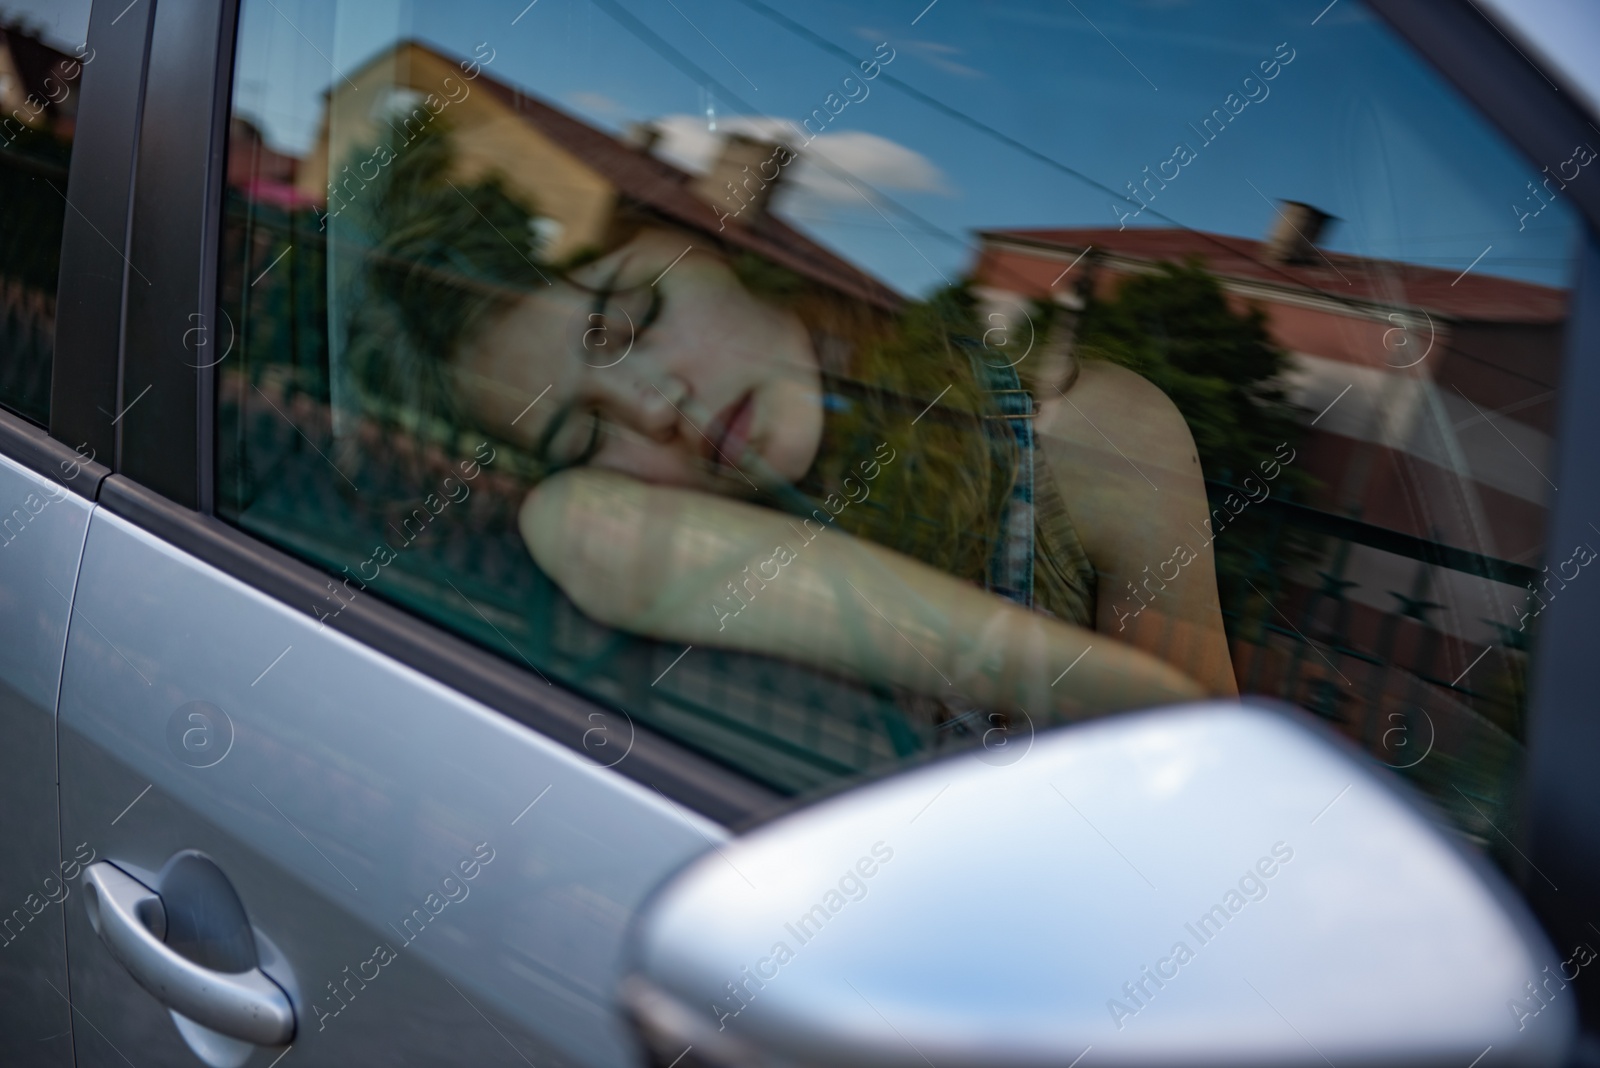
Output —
<point x="737" y="533"/>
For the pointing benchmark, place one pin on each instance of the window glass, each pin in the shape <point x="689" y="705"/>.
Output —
<point x="42" y="55"/>
<point x="825" y="385"/>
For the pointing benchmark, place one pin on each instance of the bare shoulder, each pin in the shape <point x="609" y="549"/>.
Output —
<point x="1126" y="466"/>
<point x="1130" y="476"/>
<point x="1112" y="409"/>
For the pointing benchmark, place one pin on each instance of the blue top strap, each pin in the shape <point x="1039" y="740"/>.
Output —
<point x="1011" y="444"/>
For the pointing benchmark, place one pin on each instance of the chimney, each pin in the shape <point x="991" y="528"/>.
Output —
<point x="746" y="173"/>
<point x="1294" y="233"/>
<point x="643" y="135"/>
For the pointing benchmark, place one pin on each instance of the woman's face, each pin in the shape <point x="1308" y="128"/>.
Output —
<point x="673" y="373"/>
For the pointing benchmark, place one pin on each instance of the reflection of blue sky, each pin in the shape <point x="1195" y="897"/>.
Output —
<point x="1354" y="124"/>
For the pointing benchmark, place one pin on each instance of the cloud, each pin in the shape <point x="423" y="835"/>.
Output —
<point x="936" y="54"/>
<point x="875" y="160"/>
<point x="863" y="157"/>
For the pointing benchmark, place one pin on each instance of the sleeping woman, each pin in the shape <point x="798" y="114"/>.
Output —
<point x="727" y="454"/>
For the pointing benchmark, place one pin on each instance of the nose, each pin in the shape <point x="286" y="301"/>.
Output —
<point x="647" y="402"/>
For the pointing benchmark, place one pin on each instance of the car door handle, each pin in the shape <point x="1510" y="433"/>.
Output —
<point x="243" y="1005"/>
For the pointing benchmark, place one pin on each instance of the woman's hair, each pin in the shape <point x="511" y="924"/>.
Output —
<point x="442" y="262"/>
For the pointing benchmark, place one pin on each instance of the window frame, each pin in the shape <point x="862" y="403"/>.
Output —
<point x="170" y="328"/>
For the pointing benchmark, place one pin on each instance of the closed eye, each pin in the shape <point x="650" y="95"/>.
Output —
<point x="625" y="314"/>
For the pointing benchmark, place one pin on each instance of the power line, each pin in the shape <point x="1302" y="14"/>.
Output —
<point x="1027" y="150"/>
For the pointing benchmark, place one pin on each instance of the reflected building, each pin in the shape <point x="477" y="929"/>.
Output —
<point x="581" y="180"/>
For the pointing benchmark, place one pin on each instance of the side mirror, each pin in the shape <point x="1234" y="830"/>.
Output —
<point x="1213" y="884"/>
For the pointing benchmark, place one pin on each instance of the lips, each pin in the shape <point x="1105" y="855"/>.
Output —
<point x="730" y="432"/>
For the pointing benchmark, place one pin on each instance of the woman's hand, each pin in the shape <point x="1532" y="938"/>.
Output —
<point x="684" y="566"/>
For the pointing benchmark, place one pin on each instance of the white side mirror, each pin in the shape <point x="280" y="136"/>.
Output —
<point x="1205" y="885"/>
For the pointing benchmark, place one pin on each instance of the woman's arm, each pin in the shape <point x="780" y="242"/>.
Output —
<point x="683" y="566"/>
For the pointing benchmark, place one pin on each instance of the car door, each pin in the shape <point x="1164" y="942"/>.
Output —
<point x="341" y="749"/>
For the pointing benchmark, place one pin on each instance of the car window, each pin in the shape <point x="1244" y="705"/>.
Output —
<point x="42" y="55"/>
<point x="829" y="385"/>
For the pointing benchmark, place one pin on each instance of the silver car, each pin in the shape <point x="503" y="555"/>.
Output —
<point x="746" y="533"/>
